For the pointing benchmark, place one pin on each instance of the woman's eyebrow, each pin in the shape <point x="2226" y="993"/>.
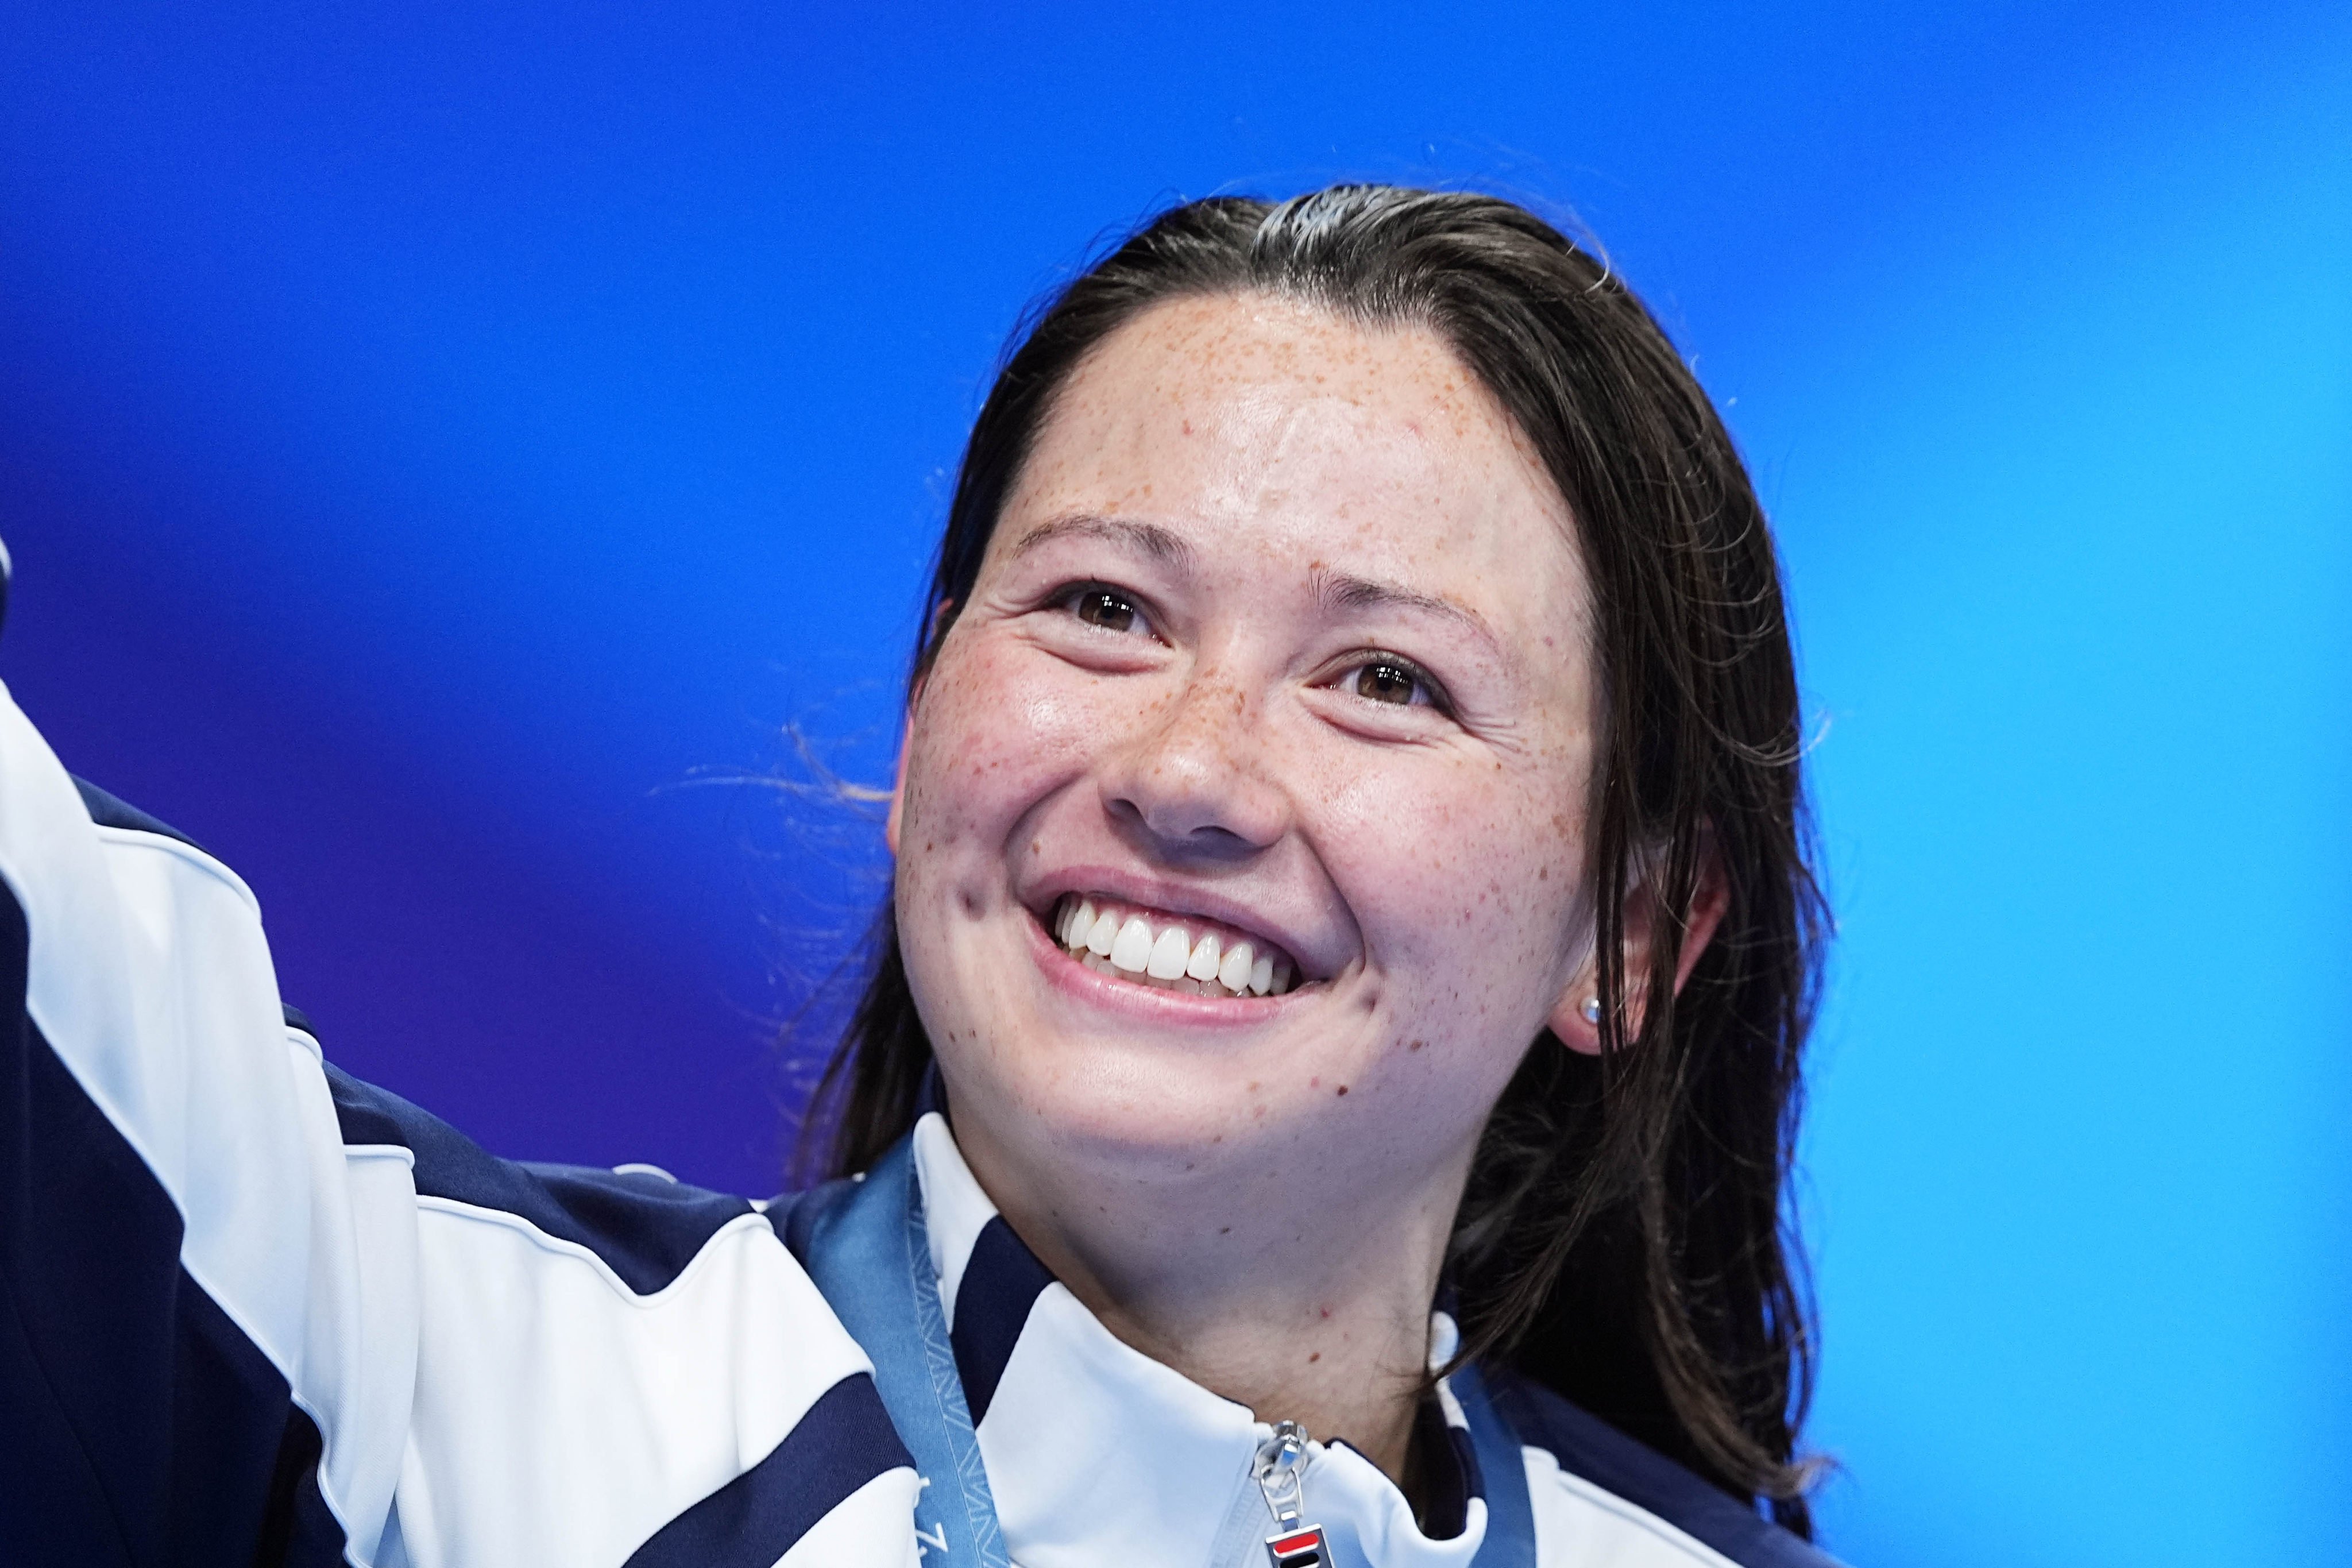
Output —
<point x="1145" y="538"/>
<point x="1339" y="591"/>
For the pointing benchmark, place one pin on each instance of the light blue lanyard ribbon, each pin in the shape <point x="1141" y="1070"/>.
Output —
<point x="1503" y="1473"/>
<point x="865" y="1244"/>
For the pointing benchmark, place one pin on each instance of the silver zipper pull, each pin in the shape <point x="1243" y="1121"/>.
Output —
<point x="1281" y="1473"/>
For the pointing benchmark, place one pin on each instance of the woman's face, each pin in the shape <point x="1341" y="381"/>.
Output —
<point x="1282" y="640"/>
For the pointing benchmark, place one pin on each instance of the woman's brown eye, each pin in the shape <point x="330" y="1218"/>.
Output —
<point x="1386" y="683"/>
<point x="1101" y="608"/>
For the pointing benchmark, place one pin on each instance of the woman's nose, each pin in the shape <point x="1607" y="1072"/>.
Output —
<point x="1192" y="779"/>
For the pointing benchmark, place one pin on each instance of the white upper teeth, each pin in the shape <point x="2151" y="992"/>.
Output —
<point x="1113" y="939"/>
<point x="1132" y="951"/>
<point x="1170" y="954"/>
<point x="1202" y="963"/>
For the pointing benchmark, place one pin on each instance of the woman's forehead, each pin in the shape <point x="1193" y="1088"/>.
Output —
<point x="1266" y="426"/>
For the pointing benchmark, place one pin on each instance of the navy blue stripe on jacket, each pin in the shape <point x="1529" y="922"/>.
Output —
<point x="1589" y="1447"/>
<point x="646" y="1228"/>
<point x="141" y="1425"/>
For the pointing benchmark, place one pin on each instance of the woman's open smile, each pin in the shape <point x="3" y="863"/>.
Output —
<point x="1165" y="948"/>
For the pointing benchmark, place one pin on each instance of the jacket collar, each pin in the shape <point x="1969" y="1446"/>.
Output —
<point x="1096" y="1453"/>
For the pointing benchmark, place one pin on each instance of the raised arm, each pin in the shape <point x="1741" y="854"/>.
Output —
<point x="252" y="1311"/>
<point x="207" y="1304"/>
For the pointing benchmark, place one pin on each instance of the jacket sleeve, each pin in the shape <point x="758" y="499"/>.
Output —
<point x="252" y="1311"/>
<point x="192" y="1261"/>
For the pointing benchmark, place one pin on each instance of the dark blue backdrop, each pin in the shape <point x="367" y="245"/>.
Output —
<point x="444" y="445"/>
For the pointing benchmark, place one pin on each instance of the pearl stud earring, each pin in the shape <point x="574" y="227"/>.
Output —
<point x="1593" y="1010"/>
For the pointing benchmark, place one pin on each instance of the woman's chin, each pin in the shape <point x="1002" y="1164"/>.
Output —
<point x="1143" y="1108"/>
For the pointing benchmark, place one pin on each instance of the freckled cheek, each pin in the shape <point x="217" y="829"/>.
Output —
<point x="996" y="729"/>
<point x="1457" y="883"/>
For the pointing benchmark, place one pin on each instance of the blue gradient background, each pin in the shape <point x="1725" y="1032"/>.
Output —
<point x="445" y="448"/>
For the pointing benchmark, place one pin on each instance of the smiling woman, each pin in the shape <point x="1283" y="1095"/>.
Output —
<point x="1324" y="1088"/>
<point x="1365" y="581"/>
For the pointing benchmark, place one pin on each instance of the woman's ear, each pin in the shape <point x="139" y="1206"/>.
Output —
<point x="1576" y="1018"/>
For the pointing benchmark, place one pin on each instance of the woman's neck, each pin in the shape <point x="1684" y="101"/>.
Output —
<point x="1300" y="1300"/>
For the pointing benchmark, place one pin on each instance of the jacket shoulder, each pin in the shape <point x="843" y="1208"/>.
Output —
<point x="1591" y="1453"/>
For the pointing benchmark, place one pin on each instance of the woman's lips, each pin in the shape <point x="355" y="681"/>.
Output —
<point x="1145" y="1002"/>
<point x="1178" y="952"/>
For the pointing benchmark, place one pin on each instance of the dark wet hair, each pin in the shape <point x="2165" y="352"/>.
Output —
<point x="1624" y="1238"/>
